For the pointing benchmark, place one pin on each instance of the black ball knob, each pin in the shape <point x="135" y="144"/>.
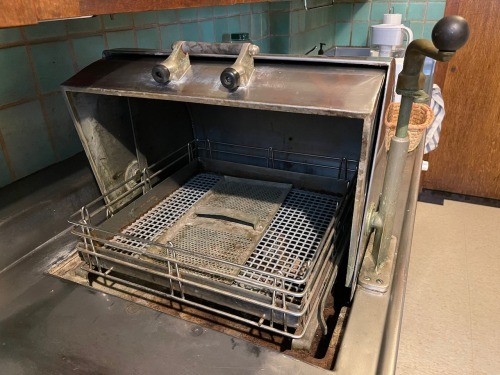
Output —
<point x="230" y="79"/>
<point x="160" y="73"/>
<point x="450" y="33"/>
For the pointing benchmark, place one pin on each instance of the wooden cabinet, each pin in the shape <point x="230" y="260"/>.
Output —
<point x="15" y="13"/>
<point x="28" y="12"/>
<point x="467" y="160"/>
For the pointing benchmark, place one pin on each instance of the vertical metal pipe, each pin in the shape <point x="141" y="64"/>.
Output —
<point x="392" y="182"/>
<point x="404" y="116"/>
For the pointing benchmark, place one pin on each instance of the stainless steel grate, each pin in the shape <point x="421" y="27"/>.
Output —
<point x="293" y="237"/>
<point x="287" y="246"/>
<point x="217" y="244"/>
<point x="166" y="213"/>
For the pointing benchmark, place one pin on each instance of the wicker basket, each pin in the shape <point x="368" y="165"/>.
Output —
<point x="420" y="119"/>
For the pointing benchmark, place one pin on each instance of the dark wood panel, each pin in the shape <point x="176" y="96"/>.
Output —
<point x="16" y="13"/>
<point x="467" y="160"/>
<point x="28" y="12"/>
<point x="124" y="6"/>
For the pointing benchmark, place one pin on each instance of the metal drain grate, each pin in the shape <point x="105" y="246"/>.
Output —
<point x="166" y="213"/>
<point x="293" y="237"/>
<point x="216" y="244"/>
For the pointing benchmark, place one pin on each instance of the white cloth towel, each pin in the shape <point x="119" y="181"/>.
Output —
<point x="434" y="131"/>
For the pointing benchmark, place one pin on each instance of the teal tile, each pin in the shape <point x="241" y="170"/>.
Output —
<point x="187" y="14"/>
<point x="378" y="11"/>
<point x="416" y="12"/>
<point x="361" y="12"/>
<point x="401" y="9"/>
<point x="435" y="11"/>
<point x="169" y="35"/>
<point x="233" y="24"/>
<point x="10" y="35"/>
<point x="117" y="21"/>
<point x="87" y="50"/>
<point x="206" y="31"/>
<point x="264" y="21"/>
<point x="256" y="21"/>
<point x="220" y="28"/>
<point x="189" y="31"/>
<point x="167" y="16"/>
<point x="53" y="64"/>
<point x="26" y="136"/>
<point x="64" y="136"/>
<point x="258" y="7"/>
<point x="294" y="22"/>
<point x="263" y="45"/>
<point x="279" y="23"/>
<point x="428" y="26"/>
<point x="83" y="25"/>
<point x="342" y="34"/>
<point x="20" y="84"/>
<point x="417" y="28"/>
<point x="245" y="24"/>
<point x="145" y="18"/>
<point x="206" y="12"/>
<point x="233" y="10"/>
<point x="297" y="44"/>
<point x="302" y="21"/>
<point x="279" y="44"/>
<point x="46" y="30"/>
<point x="343" y="12"/>
<point x="245" y="8"/>
<point x="279" y="5"/>
<point x="5" y="177"/>
<point x="220" y="11"/>
<point x="121" y="39"/>
<point x="148" y="38"/>
<point x="359" y="36"/>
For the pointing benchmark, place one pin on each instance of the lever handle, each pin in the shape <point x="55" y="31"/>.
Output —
<point x="450" y="33"/>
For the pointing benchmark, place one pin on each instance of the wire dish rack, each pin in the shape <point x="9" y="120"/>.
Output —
<point x="145" y="237"/>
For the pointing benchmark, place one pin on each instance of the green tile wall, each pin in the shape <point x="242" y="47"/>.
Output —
<point x="35" y="127"/>
<point x="345" y="23"/>
<point x="419" y="15"/>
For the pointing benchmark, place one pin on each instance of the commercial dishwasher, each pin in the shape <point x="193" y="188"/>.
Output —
<point x="245" y="194"/>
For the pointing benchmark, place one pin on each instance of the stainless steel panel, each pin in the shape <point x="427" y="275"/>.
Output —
<point x="320" y="87"/>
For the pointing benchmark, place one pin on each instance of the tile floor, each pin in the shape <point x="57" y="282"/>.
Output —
<point x="451" y="319"/>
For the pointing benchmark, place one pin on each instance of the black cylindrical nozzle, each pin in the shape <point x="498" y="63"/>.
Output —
<point x="450" y="33"/>
<point x="160" y="73"/>
<point x="230" y="79"/>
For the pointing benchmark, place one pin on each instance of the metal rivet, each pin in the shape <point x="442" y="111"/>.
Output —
<point x="367" y="278"/>
<point x="379" y="281"/>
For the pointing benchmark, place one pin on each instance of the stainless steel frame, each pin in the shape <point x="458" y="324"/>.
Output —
<point x="281" y="302"/>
